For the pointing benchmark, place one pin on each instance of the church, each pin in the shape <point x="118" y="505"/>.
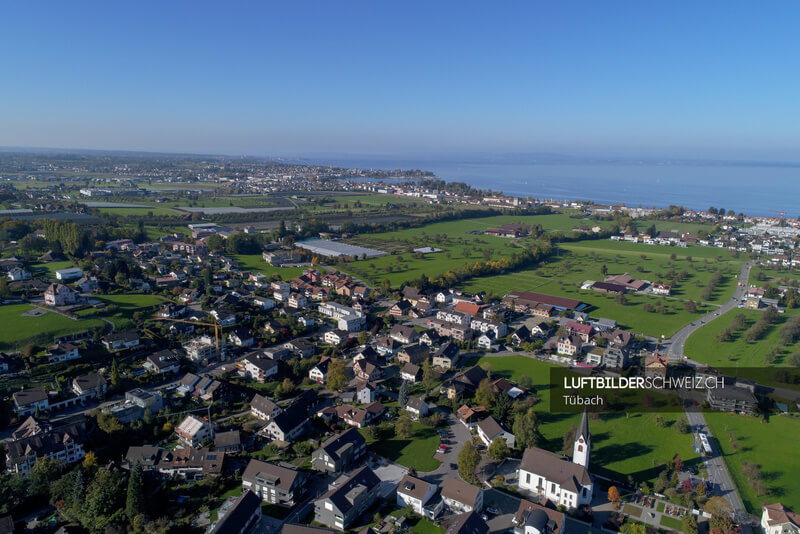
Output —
<point x="553" y="476"/>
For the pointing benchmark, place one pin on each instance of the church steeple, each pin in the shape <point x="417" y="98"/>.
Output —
<point x="583" y="443"/>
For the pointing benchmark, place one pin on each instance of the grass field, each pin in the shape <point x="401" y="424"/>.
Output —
<point x="18" y="330"/>
<point x="128" y="305"/>
<point x="622" y="446"/>
<point x="256" y="264"/>
<point x="671" y="523"/>
<point x="417" y="451"/>
<point x="575" y="263"/>
<point x="51" y="267"/>
<point x="703" y="345"/>
<point x="773" y="276"/>
<point x="769" y="445"/>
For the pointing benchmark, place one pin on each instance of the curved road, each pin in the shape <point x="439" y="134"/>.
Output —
<point x="675" y="344"/>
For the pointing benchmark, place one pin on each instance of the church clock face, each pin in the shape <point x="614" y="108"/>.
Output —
<point x="580" y="440"/>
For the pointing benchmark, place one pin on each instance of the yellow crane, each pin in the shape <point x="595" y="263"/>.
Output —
<point x="215" y="324"/>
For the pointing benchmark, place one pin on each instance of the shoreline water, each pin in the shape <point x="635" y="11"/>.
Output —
<point x="751" y="189"/>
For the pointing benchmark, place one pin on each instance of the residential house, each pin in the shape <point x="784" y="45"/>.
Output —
<point x="264" y="408"/>
<point x="416" y="354"/>
<point x="244" y="517"/>
<point x="302" y="347"/>
<point x="228" y="442"/>
<point x="467" y="523"/>
<point x="569" y="345"/>
<point x="582" y="330"/>
<point x="62" y="352"/>
<point x="162" y="362"/>
<point x="446" y="356"/>
<point x="460" y="496"/>
<point x="360" y="417"/>
<point x="416" y="493"/>
<point x="187" y="463"/>
<point x="289" y="425"/>
<point x="91" y="386"/>
<point x="656" y="365"/>
<point x="121" y="340"/>
<point x="411" y="373"/>
<point x="368" y="370"/>
<point x="417" y="407"/>
<point x="256" y="366"/>
<point x="60" y="295"/>
<point x="732" y="399"/>
<point x="367" y="393"/>
<point x="347" y="499"/>
<point x="195" y="430"/>
<point x="319" y="372"/>
<point x="400" y="308"/>
<point x="340" y="452"/>
<point x="489" y="429"/>
<point x="403" y="334"/>
<point x="275" y="484"/>
<point x="241" y="337"/>
<point x="27" y="401"/>
<point x="62" y="441"/>
<point x="469" y="417"/>
<point x="336" y="337"/>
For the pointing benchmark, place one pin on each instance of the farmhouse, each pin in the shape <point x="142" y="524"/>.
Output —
<point x="526" y="301"/>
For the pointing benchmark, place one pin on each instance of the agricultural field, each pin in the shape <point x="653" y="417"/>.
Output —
<point x="256" y="264"/>
<point x="417" y="450"/>
<point x="575" y="263"/>
<point x="750" y="439"/>
<point x="704" y="346"/>
<point x="619" y="444"/>
<point x="149" y="211"/>
<point x="760" y="275"/>
<point x="19" y="330"/>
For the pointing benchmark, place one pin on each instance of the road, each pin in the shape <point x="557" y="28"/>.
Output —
<point x="717" y="472"/>
<point x="674" y="346"/>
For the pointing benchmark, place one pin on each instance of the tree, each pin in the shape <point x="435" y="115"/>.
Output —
<point x="690" y="524"/>
<point x="526" y="430"/>
<point x="90" y="463"/>
<point x="569" y="439"/>
<point x="701" y="489"/>
<point x="403" y="427"/>
<point x="428" y="376"/>
<point x="287" y="387"/>
<point x="114" y="374"/>
<point x="468" y="460"/>
<point x="402" y="395"/>
<point x="134" y="502"/>
<point x="502" y="408"/>
<point x="604" y="270"/>
<point x="613" y="495"/>
<point x="498" y="449"/>
<point x="678" y="463"/>
<point x="485" y="394"/>
<point x="337" y="375"/>
<point x="690" y="306"/>
<point x="682" y="425"/>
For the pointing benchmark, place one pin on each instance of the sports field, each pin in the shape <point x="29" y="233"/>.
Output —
<point x="626" y="446"/>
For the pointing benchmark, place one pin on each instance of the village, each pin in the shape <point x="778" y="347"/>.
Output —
<point x="307" y="387"/>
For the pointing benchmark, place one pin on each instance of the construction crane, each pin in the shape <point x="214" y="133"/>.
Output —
<point x="780" y="212"/>
<point x="215" y="324"/>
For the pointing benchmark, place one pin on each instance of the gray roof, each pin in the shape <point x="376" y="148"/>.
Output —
<point x="490" y="427"/>
<point x="458" y="490"/>
<point x="29" y="396"/>
<point x="337" y="445"/>
<point x="280" y="477"/>
<point x="555" y="468"/>
<point x="415" y="487"/>
<point x="237" y="518"/>
<point x="467" y="523"/>
<point x="343" y="496"/>
<point x="583" y="428"/>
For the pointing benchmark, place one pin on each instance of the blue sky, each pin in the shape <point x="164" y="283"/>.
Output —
<point x="685" y="78"/>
